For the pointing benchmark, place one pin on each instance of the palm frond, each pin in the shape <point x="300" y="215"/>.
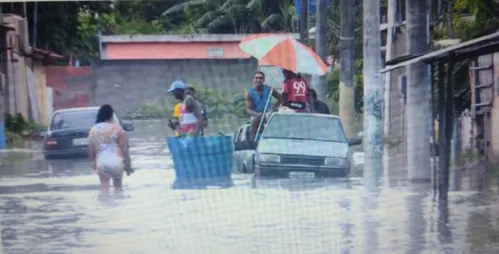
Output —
<point x="220" y="21"/>
<point x="207" y="18"/>
<point x="183" y="6"/>
<point x="255" y="5"/>
<point x="237" y="10"/>
<point x="272" y="20"/>
<point x="226" y="4"/>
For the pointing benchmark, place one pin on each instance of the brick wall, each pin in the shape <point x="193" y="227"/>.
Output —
<point x="71" y="85"/>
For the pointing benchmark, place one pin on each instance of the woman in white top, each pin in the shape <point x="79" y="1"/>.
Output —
<point x="107" y="149"/>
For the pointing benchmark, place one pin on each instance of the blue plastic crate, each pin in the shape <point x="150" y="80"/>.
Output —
<point x="201" y="157"/>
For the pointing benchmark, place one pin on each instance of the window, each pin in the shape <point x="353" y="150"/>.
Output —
<point x="75" y="119"/>
<point x="305" y="127"/>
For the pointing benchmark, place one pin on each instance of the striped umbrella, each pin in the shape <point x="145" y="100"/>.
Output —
<point x="284" y="51"/>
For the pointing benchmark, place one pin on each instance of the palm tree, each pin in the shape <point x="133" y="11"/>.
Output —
<point x="239" y="16"/>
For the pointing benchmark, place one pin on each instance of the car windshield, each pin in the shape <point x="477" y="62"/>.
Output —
<point x="305" y="127"/>
<point x="74" y="119"/>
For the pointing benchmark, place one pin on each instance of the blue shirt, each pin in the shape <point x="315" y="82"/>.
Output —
<point x="259" y="99"/>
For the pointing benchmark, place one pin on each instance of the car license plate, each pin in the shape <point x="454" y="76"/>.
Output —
<point x="80" y="141"/>
<point x="301" y="175"/>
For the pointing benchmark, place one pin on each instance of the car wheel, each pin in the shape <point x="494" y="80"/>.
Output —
<point x="48" y="157"/>
<point x="347" y="171"/>
<point x="256" y="171"/>
<point x="248" y="169"/>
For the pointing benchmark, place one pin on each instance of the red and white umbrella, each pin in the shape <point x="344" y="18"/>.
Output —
<point x="284" y="51"/>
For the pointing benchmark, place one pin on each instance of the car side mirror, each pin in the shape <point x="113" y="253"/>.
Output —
<point x="353" y="141"/>
<point x="43" y="134"/>
<point x="128" y="127"/>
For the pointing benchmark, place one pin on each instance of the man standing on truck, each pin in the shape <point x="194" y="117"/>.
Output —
<point x="256" y="99"/>
<point x="319" y="106"/>
<point x="296" y="93"/>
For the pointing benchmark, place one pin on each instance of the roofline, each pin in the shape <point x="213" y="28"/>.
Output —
<point x="41" y="54"/>
<point x="439" y="54"/>
<point x="177" y="38"/>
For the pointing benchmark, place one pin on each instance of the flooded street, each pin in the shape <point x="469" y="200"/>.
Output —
<point x="56" y="208"/>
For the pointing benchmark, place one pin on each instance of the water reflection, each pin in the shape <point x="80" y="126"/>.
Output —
<point x="416" y="222"/>
<point x="56" y="208"/>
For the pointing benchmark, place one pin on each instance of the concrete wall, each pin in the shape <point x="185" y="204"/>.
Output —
<point x="41" y="91"/>
<point x="397" y="107"/>
<point x="129" y="84"/>
<point x="16" y="95"/>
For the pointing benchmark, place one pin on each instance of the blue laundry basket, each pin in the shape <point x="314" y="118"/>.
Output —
<point x="198" y="158"/>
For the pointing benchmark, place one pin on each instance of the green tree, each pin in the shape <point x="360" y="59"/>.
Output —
<point x="237" y="16"/>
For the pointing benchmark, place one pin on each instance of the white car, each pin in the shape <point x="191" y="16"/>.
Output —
<point x="297" y="145"/>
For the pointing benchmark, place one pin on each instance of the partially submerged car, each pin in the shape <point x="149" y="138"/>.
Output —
<point x="298" y="145"/>
<point x="67" y="134"/>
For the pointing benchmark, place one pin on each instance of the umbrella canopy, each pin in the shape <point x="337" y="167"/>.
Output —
<point x="285" y="52"/>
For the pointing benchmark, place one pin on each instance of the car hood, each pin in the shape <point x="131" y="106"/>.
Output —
<point x="303" y="147"/>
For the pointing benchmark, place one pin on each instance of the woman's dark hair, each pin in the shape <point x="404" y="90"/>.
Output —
<point x="105" y="113"/>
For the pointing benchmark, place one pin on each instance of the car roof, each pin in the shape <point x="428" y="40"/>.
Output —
<point x="77" y="109"/>
<point x="306" y="114"/>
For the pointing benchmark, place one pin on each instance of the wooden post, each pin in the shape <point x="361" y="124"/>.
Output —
<point x="441" y="121"/>
<point x="434" y="111"/>
<point x="446" y="133"/>
<point x="449" y="116"/>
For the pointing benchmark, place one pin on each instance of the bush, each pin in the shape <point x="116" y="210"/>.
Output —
<point x="14" y="139"/>
<point x="218" y="104"/>
<point x="333" y="94"/>
<point x="17" y="124"/>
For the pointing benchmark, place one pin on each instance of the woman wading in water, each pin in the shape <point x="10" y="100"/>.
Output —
<point x="107" y="149"/>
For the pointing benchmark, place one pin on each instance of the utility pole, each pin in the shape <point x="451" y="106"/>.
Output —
<point x="347" y="66"/>
<point x="2" y="104"/>
<point x="373" y="93"/>
<point x="35" y="24"/>
<point x="418" y="95"/>
<point x="303" y="21"/>
<point x="390" y="37"/>
<point x="449" y="19"/>
<point x="321" y="45"/>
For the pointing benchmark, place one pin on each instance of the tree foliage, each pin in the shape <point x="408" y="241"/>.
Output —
<point x="71" y="28"/>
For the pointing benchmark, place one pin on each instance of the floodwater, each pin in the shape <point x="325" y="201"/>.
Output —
<point x="56" y="208"/>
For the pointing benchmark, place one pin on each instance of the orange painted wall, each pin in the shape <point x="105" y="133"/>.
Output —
<point x="171" y="50"/>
